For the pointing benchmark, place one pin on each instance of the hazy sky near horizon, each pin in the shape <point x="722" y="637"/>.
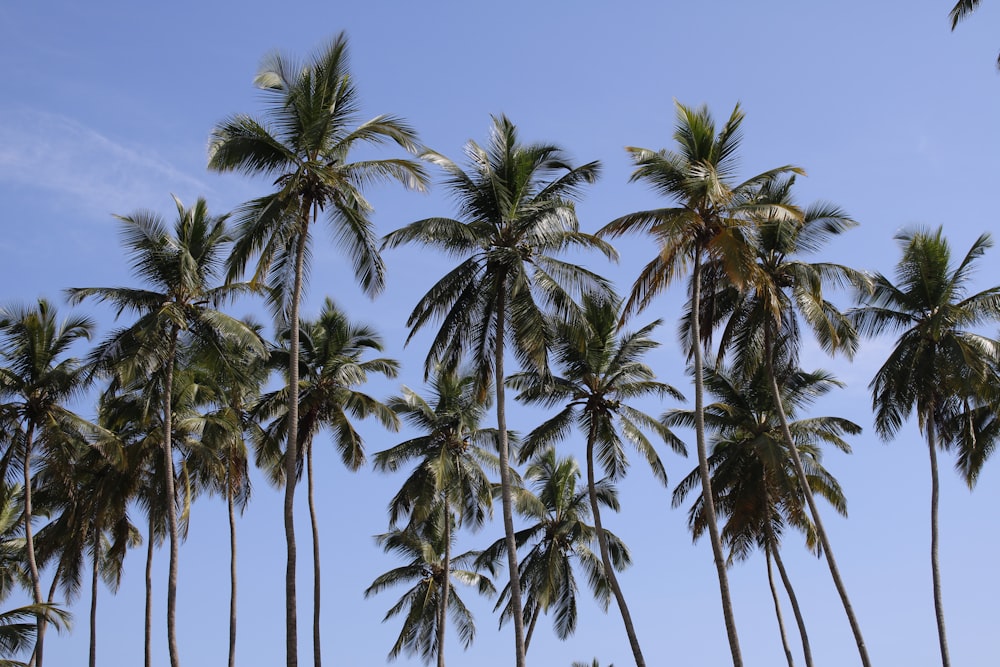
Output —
<point x="107" y="108"/>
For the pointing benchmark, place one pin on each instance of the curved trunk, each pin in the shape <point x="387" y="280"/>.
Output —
<point x="93" y="598"/>
<point x="796" y="610"/>
<point x="800" y="473"/>
<point x="232" y="559"/>
<point x="148" y="630"/>
<point x="777" y="607"/>
<point x="706" y="482"/>
<point x="935" y="565"/>
<point x="314" y="524"/>
<point x="506" y="494"/>
<point x="168" y="478"/>
<point x="29" y="545"/>
<point x="602" y="541"/>
<point x="291" y="449"/>
<point x="445" y="584"/>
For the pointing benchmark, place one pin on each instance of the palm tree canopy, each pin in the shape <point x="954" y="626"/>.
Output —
<point x="939" y="354"/>
<point x="178" y="267"/>
<point x="451" y="452"/>
<point x="37" y="377"/>
<point x="559" y="536"/>
<point x="782" y="287"/>
<point x="713" y="211"/>
<point x="600" y="372"/>
<point x="303" y="142"/>
<point x="515" y="212"/>
<point x="332" y="365"/>
<point x="423" y="547"/>
<point x="753" y="481"/>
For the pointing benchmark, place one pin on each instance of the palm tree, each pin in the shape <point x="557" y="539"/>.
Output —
<point x="937" y="356"/>
<point x="424" y="605"/>
<point x="450" y="455"/>
<point x="601" y="371"/>
<point x="712" y="220"/>
<point x="304" y="142"/>
<point x="36" y="379"/>
<point x="559" y="535"/>
<point x="178" y="267"/>
<point x="331" y="367"/>
<point x="88" y="490"/>
<point x="762" y="322"/>
<point x="754" y="483"/>
<point x="516" y="210"/>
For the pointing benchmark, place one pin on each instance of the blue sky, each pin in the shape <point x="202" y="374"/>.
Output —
<point x="107" y="108"/>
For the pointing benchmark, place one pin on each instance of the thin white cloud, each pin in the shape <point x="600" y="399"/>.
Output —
<point x="57" y="154"/>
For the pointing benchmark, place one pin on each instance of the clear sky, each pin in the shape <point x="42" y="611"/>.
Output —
<point x="107" y="107"/>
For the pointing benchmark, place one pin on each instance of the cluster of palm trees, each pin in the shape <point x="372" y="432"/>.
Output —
<point x="182" y="385"/>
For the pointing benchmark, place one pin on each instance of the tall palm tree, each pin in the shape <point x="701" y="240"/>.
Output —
<point x="236" y="379"/>
<point x="754" y="483"/>
<point x="450" y="455"/>
<point x="600" y="370"/>
<point x="332" y="365"/>
<point x="938" y="355"/>
<point x="515" y="205"/>
<point x="303" y="142"/>
<point x="425" y="606"/>
<point x="37" y="378"/>
<point x="762" y="326"/>
<point x="178" y="267"/>
<point x="711" y="220"/>
<point x="559" y="536"/>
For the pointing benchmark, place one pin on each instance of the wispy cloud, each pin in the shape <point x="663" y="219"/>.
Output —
<point x="59" y="155"/>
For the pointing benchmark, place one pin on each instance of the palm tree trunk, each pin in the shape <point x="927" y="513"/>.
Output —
<point x="168" y="478"/>
<point x="51" y="600"/>
<point x="308" y="445"/>
<point x="935" y="565"/>
<point x="148" y="640"/>
<point x="29" y="540"/>
<point x="93" y="598"/>
<point x="706" y="480"/>
<point x="796" y="610"/>
<point x="800" y="473"/>
<point x="291" y="449"/>
<point x="445" y="584"/>
<point x="602" y="541"/>
<point x="506" y="493"/>
<point x="777" y="607"/>
<point x="232" y="559"/>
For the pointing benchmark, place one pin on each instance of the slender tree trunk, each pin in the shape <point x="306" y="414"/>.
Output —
<point x="935" y="565"/>
<point x="29" y="545"/>
<point x="148" y="640"/>
<point x="445" y="584"/>
<point x="796" y="610"/>
<point x="777" y="608"/>
<point x="51" y="600"/>
<point x="602" y="541"/>
<point x="291" y="449"/>
<point x="706" y="480"/>
<point x="800" y="473"/>
<point x="93" y="597"/>
<point x="308" y="445"/>
<point x="168" y="478"/>
<point x="232" y="558"/>
<point x="506" y="493"/>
